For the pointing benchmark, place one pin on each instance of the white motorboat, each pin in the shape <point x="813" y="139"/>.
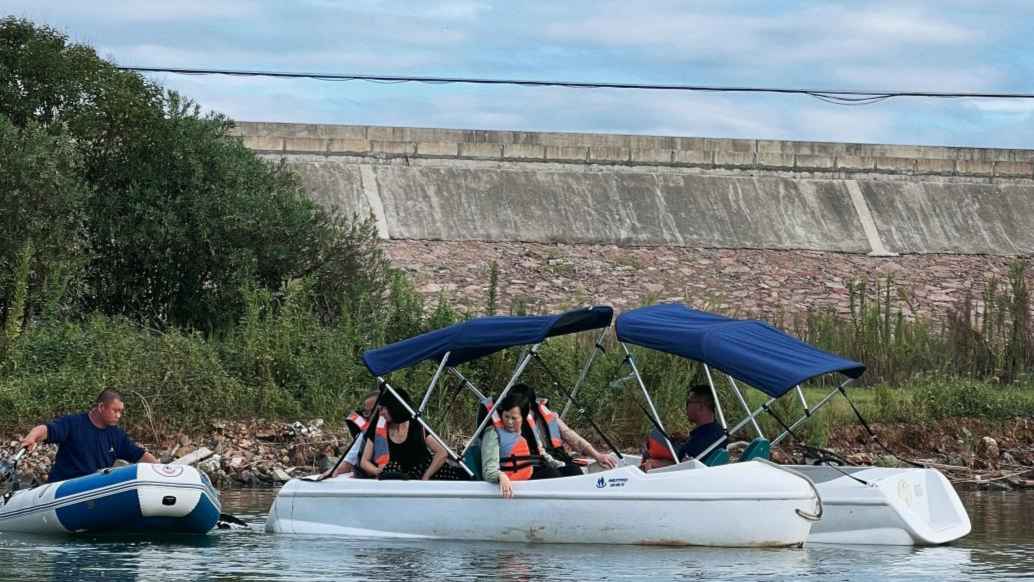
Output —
<point x="862" y="505"/>
<point x="130" y="499"/>
<point x="746" y="504"/>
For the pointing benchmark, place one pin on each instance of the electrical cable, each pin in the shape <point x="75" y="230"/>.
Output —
<point x="848" y="97"/>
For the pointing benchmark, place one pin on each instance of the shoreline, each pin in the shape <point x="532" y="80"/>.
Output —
<point x="973" y="453"/>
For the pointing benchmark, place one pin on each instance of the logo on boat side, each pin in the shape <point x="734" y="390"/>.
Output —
<point x="614" y="482"/>
<point x="169" y="470"/>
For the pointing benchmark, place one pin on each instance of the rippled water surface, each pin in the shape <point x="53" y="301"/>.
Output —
<point x="1001" y="547"/>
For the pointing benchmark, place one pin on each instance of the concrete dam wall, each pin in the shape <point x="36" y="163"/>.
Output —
<point x="503" y="186"/>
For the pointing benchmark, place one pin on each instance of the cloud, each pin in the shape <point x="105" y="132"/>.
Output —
<point x="838" y="44"/>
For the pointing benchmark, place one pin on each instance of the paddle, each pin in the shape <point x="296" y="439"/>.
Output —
<point x="10" y="466"/>
<point x="227" y="521"/>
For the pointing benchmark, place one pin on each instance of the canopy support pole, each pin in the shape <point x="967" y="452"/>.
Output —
<point x="733" y="430"/>
<point x="598" y="348"/>
<point x="523" y="363"/>
<point x="649" y="401"/>
<point x="581" y="409"/>
<point x="467" y="383"/>
<point x="813" y="410"/>
<point x="804" y="403"/>
<point x="746" y="408"/>
<point x="430" y="431"/>
<point x="434" y="382"/>
<point x="714" y="394"/>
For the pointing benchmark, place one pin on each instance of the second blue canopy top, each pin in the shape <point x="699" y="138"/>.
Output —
<point x="750" y="351"/>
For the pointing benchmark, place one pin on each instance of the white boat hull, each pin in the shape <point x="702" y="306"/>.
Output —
<point x="133" y="498"/>
<point x="908" y="506"/>
<point x="747" y="505"/>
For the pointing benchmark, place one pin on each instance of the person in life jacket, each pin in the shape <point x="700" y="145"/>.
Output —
<point x="700" y="410"/>
<point x="554" y="433"/>
<point x="357" y="422"/>
<point x="508" y="455"/>
<point x="398" y="446"/>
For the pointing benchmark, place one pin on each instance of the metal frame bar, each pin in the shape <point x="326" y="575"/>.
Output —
<point x="467" y="383"/>
<point x="821" y="403"/>
<point x="804" y="403"/>
<point x="649" y="401"/>
<point x="430" y="431"/>
<point x="433" y="384"/>
<point x="714" y="394"/>
<point x="746" y="407"/>
<point x="733" y="430"/>
<point x="521" y="365"/>
<point x="597" y="348"/>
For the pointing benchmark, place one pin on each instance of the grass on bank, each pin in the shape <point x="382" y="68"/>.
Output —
<point x="283" y="360"/>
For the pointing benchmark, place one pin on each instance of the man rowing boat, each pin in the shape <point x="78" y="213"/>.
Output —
<point x="88" y="441"/>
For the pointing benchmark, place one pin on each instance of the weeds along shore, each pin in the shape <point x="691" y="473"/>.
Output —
<point x="281" y="360"/>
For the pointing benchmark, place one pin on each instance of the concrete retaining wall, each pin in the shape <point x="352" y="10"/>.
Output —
<point x="441" y="184"/>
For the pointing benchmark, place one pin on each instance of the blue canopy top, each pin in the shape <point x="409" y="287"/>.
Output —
<point x="750" y="351"/>
<point x="480" y="337"/>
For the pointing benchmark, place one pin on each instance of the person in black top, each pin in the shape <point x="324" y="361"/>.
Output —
<point x="412" y="453"/>
<point x="89" y="441"/>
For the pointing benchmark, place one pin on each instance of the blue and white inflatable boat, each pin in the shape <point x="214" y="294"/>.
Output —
<point x="141" y="498"/>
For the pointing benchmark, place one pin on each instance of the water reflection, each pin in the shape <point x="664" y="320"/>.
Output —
<point x="1000" y="548"/>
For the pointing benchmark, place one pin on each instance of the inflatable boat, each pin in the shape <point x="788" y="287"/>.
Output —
<point x="141" y="498"/>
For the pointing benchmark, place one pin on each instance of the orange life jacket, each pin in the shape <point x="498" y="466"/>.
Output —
<point x="380" y="443"/>
<point x="515" y="458"/>
<point x="356" y="423"/>
<point x="552" y="421"/>
<point x="656" y="447"/>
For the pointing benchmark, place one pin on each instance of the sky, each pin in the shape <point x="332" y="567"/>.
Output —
<point x="943" y="45"/>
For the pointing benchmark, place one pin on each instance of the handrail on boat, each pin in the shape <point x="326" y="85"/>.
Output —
<point x="818" y="497"/>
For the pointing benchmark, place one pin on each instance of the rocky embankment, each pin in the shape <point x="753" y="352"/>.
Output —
<point x="973" y="453"/>
<point x="232" y="453"/>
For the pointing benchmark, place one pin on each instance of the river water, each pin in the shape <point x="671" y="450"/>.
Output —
<point x="1001" y="547"/>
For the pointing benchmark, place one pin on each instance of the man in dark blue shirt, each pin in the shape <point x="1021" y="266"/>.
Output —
<point x="700" y="411"/>
<point x="89" y="441"/>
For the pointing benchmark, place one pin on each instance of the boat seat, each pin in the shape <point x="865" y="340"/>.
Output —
<point x="758" y="448"/>
<point x="472" y="459"/>
<point x="717" y="457"/>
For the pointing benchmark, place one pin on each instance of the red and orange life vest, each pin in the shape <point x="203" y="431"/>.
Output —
<point x="515" y="457"/>
<point x="552" y="421"/>
<point x="358" y="422"/>
<point x="380" y="443"/>
<point x="656" y="447"/>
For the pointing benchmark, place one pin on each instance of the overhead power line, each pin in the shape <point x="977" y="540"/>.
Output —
<point x="836" y="96"/>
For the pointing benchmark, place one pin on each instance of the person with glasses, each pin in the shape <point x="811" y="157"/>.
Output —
<point x="700" y="410"/>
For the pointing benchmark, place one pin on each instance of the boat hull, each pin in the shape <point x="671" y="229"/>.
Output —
<point x="895" y="506"/>
<point x="130" y="499"/>
<point x="751" y="505"/>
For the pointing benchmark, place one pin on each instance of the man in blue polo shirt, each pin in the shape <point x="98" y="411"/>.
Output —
<point x="89" y="441"/>
<point x="700" y="411"/>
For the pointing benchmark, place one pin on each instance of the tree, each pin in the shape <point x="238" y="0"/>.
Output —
<point x="180" y="215"/>
<point x="42" y="240"/>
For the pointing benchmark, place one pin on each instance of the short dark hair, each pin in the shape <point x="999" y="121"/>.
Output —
<point x="701" y="392"/>
<point x="518" y="399"/>
<point x="107" y="396"/>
